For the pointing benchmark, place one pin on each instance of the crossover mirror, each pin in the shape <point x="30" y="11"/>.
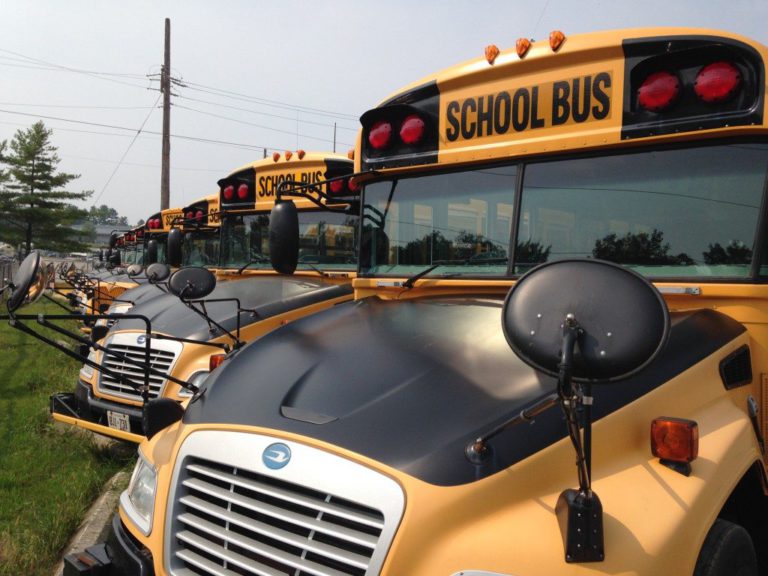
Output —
<point x="622" y="318"/>
<point x="25" y="277"/>
<point x="134" y="270"/>
<point x="192" y="283"/>
<point x="158" y="272"/>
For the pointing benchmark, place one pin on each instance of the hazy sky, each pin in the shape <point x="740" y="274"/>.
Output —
<point x="259" y="74"/>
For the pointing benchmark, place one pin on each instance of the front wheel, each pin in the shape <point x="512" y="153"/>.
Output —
<point x="727" y="551"/>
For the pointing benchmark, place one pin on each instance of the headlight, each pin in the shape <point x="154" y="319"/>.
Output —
<point x="138" y="501"/>
<point x="197" y="379"/>
<point x="86" y="372"/>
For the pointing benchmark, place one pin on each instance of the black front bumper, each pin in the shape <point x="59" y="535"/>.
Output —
<point x="83" y="405"/>
<point x="120" y="555"/>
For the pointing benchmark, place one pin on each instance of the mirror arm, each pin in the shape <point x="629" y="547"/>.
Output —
<point x="59" y="304"/>
<point x="211" y="322"/>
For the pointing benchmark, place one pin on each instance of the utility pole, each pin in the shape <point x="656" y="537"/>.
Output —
<point x="165" y="88"/>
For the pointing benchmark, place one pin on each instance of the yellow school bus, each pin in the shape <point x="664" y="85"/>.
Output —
<point x="227" y="233"/>
<point x="424" y="428"/>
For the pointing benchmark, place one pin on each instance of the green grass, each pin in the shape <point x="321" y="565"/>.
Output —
<point x="49" y="476"/>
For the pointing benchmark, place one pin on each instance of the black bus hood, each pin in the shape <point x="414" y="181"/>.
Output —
<point x="263" y="297"/>
<point x="412" y="383"/>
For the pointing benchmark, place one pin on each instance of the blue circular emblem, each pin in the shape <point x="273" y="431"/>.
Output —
<point x="276" y="456"/>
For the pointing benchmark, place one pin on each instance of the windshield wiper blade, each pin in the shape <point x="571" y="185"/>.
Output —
<point x="412" y="280"/>
<point x="258" y="260"/>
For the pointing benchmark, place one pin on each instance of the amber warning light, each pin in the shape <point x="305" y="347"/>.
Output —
<point x="675" y="439"/>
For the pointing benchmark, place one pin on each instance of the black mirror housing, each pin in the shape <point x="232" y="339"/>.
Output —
<point x="175" y="241"/>
<point x="152" y="251"/>
<point x="159" y="414"/>
<point x="284" y="237"/>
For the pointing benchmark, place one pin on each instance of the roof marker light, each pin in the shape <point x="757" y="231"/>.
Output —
<point x="276" y="156"/>
<point x="300" y="154"/>
<point x="522" y="46"/>
<point x="380" y="134"/>
<point x="288" y="154"/>
<point x="675" y="439"/>
<point x="351" y="153"/>
<point x="412" y="129"/>
<point x="556" y="39"/>
<point x="717" y="82"/>
<point x="658" y="91"/>
<point x="242" y="191"/>
<point x="491" y="51"/>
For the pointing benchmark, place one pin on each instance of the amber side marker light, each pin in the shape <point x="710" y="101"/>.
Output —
<point x="215" y="361"/>
<point x="522" y="46"/>
<point x="675" y="441"/>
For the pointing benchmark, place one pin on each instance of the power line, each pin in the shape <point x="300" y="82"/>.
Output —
<point x="182" y="137"/>
<point x="292" y="119"/>
<point x="257" y="125"/>
<point x="75" y="106"/>
<point x="126" y="152"/>
<point x="273" y="103"/>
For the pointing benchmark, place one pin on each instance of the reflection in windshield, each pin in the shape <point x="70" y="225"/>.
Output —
<point x="327" y="240"/>
<point x="200" y="248"/>
<point x="685" y="212"/>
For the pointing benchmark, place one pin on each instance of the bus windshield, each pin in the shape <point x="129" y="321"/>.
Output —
<point x="200" y="248"/>
<point x="326" y="240"/>
<point x="688" y="212"/>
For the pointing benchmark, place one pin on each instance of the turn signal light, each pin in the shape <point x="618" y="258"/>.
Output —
<point x="380" y="134"/>
<point x="229" y="192"/>
<point x="659" y="91"/>
<point x="215" y="361"/>
<point x="717" y="82"/>
<point x="675" y="439"/>
<point x="242" y="191"/>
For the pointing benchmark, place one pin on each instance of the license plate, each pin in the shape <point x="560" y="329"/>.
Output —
<point x="118" y="421"/>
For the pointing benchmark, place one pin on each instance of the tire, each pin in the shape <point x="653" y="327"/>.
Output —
<point x="727" y="551"/>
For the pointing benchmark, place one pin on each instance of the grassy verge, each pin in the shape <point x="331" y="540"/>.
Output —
<point x="48" y="476"/>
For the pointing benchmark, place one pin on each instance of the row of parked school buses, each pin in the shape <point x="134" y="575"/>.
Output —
<point x="551" y="253"/>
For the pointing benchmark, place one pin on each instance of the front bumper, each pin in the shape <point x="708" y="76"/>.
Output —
<point x="120" y="555"/>
<point x="84" y="410"/>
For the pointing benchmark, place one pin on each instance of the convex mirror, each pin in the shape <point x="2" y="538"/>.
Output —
<point x="192" y="283"/>
<point x="623" y="319"/>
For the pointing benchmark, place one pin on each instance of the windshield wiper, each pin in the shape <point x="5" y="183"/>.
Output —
<point x="258" y="260"/>
<point x="412" y="280"/>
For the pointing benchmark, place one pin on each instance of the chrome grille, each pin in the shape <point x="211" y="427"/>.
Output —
<point x="159" y="359"/>
<point x="231" y="521"/>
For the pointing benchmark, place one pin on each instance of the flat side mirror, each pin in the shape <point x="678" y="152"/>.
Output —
<point x="192" y="283"/>
<point x="623" y="320"/>
<point x="114" y="258"/>
<point x="284" y="237"/>
<point x="175" y="240"/>
<point x="113" y="240"/>
<point x="134" y="270"/>
<point x="28" y="271"/>
<point x="159" y="414"/>
<point x="151" y="251"/>
<point x="158" y="272"/>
